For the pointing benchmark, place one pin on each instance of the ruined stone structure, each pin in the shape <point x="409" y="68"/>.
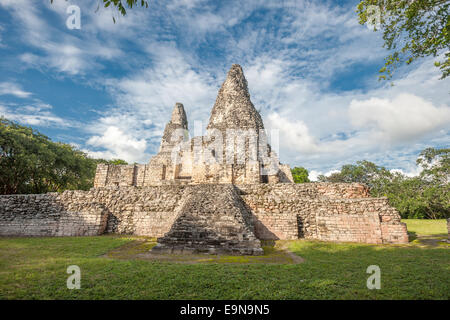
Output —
<point x="218" y="193"/>
<point x="324" y="211"/>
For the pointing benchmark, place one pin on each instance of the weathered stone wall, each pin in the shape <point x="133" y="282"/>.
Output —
<point x="338" y="212"/>
<point x="140" y="211"/>
<point x="324" y="211"/>
<point x="72" y="213"/>
<point x="148" y="211"/>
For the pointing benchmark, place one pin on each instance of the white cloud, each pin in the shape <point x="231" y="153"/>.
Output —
<point x="67" y="51"/>
<point x="322" y="130"/>
<point x="413" y="173"/>
<point x="404" y="118"/>
<point x="118" y="145"/>
<point x="13" y="89"/>
<point x="1" y="37"/>
<point x="313" y="175"/>
<point x="294" y="134"/>
<point x="35" y="114"/>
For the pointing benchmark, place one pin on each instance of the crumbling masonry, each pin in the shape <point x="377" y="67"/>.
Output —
<point x="218" y="193"/>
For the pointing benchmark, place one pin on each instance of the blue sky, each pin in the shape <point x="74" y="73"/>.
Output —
<point x="312" y="71"/>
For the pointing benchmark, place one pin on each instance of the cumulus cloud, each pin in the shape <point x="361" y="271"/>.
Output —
<point x="294" y="134"/>
<point x="117" y="144"/>
<point x="404" y="118"/>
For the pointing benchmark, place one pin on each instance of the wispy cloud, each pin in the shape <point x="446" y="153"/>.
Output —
<point x="11" y="88"/>
<point x="295" y="55"/>
<point x="66" y="51"/>
<point x="35" y="114"/>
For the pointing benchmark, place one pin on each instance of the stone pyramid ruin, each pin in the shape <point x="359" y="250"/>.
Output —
<point x="218" y="193"/>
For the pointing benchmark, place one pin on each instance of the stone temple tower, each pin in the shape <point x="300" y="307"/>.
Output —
<point x="233" y="108"/>
<point x="177" y="126"/>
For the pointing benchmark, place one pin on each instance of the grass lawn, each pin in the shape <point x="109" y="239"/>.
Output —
<point x="427" y="227"/>
<point x="35" y="268"/>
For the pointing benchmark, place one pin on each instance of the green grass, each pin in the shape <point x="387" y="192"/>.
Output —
<point x="35" y="268"/>
<point x="427" y="227"/>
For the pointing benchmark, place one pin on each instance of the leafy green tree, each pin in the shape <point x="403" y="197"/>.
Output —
<point x="300" y="175"/>
<point x="365" y="172"/>
<point x="411" y="30"/>
<point x="113" y="161"/>
<point x="436" y="165"/>
<point x="31" y="163"/>
<point x="436" y="180"/>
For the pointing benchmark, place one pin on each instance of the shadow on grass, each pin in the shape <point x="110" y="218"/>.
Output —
<point x="140" y="249"/>
<point x="412" y="236"/>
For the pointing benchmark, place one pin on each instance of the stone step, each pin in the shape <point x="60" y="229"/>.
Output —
<point x="213" y="219"/>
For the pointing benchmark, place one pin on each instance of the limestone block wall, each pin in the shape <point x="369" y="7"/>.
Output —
<point x="159" y="172"/>
<point x="324" y="211"/>
<point x="349" y="228"/>
<point x="337" y="212"/>
<point x="115" y="175"/>
<point x="147" y="211"/>
<point x="72" y="213"/>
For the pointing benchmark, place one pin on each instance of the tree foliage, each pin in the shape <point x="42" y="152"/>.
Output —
<point x="423" y="196"/>
<point x="412" y="29"/>
<point x="31" y="163"/>
<point x="300" y="175"/>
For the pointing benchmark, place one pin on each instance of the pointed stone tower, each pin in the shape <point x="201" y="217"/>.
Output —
<point x="176" y="129"/>
<point x="233" y="108"/>
<point x="165" y="167"/>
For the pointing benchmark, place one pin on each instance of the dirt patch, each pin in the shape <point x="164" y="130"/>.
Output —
<point x="274" y="253"/>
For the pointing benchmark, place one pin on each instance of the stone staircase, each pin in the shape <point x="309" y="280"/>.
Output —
<point x="212" y="219"/>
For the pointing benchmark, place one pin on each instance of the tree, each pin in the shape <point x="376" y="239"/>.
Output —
<point x="436" y="180"/>
<point x="31" y="163"/>
<point x="411" y="30"/>
<point x="300" y="175"/>
<point x="113" y="161"/>
<point x="365" y="172"/>
<point x="120" y="5"/>
<point x="435" y="164"/>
